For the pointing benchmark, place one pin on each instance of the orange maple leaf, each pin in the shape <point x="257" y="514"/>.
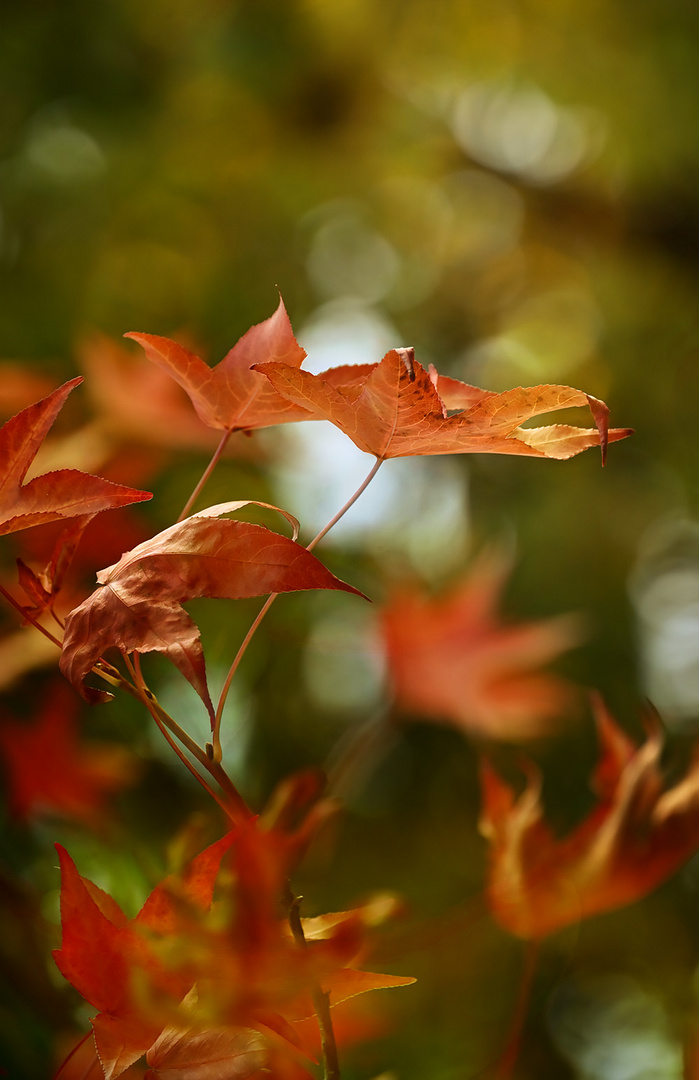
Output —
<point x="50" y="770"/>
<point x="635" y="837"/>
<point x="232" y="396"/>
<point x="397" y="409"/>
<point x="452" y="658"/>
<point x="160" y="414"/>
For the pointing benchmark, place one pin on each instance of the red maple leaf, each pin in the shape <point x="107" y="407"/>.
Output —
<point x="64" y="493"/>
<point x="397" y="409"/>
<point x="110" y="960"/>
<point x="138" y="608"/>
<point x="231" y="396"/>
<point x="636" y="836"/>
<point x="50" y="770"/>
<point x="452" y="659"/>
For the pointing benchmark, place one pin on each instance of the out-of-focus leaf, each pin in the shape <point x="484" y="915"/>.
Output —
<point x="50" y="770"/>
<point x="453" y="659"/>
<point x="635" y="837"/>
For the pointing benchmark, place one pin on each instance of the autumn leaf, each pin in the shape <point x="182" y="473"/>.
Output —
<point x="180" y="980"/>
<point x="50" y="770"/>
<point x="453" y="659"/>
<point x="231" y="396"/>
<point x="65" y="493"/>
<point x="138" y="608"/>
<point x="396" y="409"/>
<point x="57" y="575"/>
<point x="70" y="554"/>
<point x="634" y="838"/>
<point x="160" y="414"/>
<point x="230" y="1053"/>
<point x="110" y="960"/>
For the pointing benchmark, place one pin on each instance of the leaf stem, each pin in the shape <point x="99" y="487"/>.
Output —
<point x="206" y="474"/>
<point x="508" y="1059"/>
<point x="234" y="805"/>
<point x="321" y="1000"/>
<point x="350" y="502"/>
<point x="94" y="1061"/>
<point x="28" y="616"/>
<point x="216" y="737"/>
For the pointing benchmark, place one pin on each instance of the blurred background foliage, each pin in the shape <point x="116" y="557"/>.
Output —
<point x="511" y="187"/>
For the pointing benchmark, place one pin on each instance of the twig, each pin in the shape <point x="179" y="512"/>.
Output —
<point x="28" y="616"/>
<point x="216" y="737"/>
<point x="321" y="1000"/>
<point x="206" y="474"/>
<point x="350" y="502"/>
<point x="508" y="1058"/>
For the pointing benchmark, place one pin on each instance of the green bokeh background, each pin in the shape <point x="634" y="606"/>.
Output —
<point x="512" y="188"/>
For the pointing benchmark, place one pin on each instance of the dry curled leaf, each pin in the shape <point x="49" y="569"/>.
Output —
<point x="395" y="409"/>
<point x="139" y="605"/>
<point x="636" y="836"/>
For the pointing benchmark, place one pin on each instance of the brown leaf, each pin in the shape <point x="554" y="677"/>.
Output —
<point x="138" y="608"/>
<point x="231" y="396"/>
<point x="635" y="837"/>
<point x="453" y="659"/>
<point x="65" y="493"/>
<point x="395" y="410"/>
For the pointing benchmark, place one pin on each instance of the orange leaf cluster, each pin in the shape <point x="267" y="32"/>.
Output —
<point x="195" y="985"/>
<point x="391" y="409"/>
<point x="637" y="835"/>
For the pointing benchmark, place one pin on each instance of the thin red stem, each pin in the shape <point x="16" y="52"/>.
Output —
<point x="206" y="474"/>
<point x="71" y="1055"/>
<point x="216" y="736"/>
<point x="350" y="502"/>
<point x="508" y="1058"/>
<point x="30" y="618"/>
<point x="233" y="806"/>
